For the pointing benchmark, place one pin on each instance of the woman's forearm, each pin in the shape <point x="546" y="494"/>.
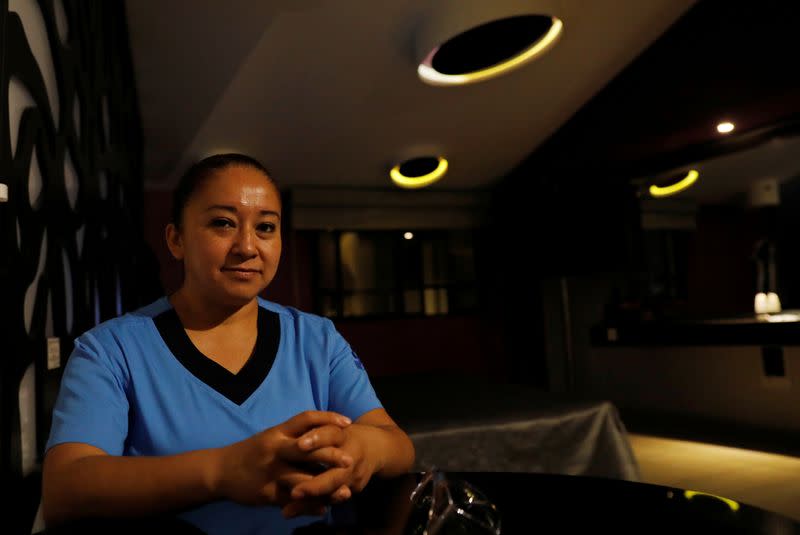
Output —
<point x="83" y="481"/>
<point x="105" y="485"/>
<point x="396" y="449"/>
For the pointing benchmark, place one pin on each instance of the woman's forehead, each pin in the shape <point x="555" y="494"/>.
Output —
<point x="239" y="185"/>
<point x="253" y="195"/>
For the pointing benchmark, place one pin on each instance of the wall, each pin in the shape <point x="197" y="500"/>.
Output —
<point x="725" y="384"/>
<point x="715" y="383"/>
<point x="72" y="253"/>
<point x="157" y="208"/>
<point x="465" y="345"/>
<point x="721" y="270"/>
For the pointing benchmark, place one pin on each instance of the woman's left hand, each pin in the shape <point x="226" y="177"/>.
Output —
<point x="337" y="484"/>
<point x="361" y="444"/>
<point x="376" y="446"/>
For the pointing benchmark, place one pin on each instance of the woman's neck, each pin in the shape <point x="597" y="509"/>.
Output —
<point x="200" y="314"/>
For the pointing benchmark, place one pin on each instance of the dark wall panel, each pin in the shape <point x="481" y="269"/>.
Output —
<point x="71" y="251"/>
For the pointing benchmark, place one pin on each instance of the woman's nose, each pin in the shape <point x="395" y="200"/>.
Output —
<point x="245" y="242"/>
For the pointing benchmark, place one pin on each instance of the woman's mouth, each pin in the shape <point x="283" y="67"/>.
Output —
<point x="242" y="273"/>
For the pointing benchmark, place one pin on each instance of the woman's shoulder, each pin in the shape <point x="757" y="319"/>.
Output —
<point x="296" y="316"/>
<point x="129" y="323"/>
<point x="316" y="334"/>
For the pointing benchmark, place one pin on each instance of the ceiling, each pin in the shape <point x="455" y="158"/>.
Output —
<point x="326" y="93"/>
<point x="723" y="60"/>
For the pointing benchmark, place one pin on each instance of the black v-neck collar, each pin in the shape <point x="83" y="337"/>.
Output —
<point x="235" y="386"/>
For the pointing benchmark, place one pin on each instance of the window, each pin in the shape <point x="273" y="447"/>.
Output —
<point x="384" y="273"/>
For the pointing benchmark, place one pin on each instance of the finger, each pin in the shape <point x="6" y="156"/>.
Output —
<point x="327" y="435"/>
<point x="289" y="480"/>
<point x="322" y="485"/>
<point x="330" y="458"/>
<point x="299" y="424"/>
<point x="304" y="507"/>
<point x="317" y="461"/>
<point x="342" y="494"/>
<point x="283" y="498"/>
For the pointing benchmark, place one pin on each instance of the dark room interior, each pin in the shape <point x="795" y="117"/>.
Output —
<point x="600" y="280"/>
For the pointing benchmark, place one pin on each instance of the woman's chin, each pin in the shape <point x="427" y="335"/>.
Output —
<point x="241" y="296"/>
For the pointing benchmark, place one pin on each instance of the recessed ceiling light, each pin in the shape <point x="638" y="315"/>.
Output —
<point x="489" y="50"/>
<point x="725" y="127"/>
<point x="409" y="235"/>
<point x="419" y="172"/>
<point x="672" y="189"/>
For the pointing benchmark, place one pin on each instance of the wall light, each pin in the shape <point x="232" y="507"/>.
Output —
<point x="684" y="183"/>
<point x="409" y="235"/>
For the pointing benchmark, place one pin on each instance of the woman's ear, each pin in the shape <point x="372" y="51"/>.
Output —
<point x="174" y="241"/>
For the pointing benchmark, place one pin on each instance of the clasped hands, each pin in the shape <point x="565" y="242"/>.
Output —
<point x="302" y="465"/>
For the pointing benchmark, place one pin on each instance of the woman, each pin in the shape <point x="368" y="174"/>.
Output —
<point x="213" y="400"/>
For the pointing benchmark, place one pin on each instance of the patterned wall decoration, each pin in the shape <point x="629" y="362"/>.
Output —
<point x="71" y="246"/>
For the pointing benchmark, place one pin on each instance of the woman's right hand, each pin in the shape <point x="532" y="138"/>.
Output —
<point x="264" y="468"/>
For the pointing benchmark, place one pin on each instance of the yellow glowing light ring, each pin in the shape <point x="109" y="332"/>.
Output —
<point x="418" y="181"/>
<point x="734" y="506"/>
<point x="685" y="182"/>
<point x="430" y="75"/>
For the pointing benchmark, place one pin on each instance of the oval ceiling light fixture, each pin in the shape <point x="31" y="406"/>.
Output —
<point x="419" y="172"/>
<point x="725" y="127"/>
<point x="677" y="187"/>
<point x="408" y="235"/>
<point x="489" y="49"/>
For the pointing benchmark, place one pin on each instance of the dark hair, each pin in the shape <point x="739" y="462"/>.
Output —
<point x="200" y="171"/>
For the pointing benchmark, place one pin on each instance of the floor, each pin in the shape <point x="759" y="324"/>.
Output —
<point x="766" y="480"/>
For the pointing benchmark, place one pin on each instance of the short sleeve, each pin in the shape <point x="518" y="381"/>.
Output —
<point x="92" y="406"/>
<point x="350" y="393"/>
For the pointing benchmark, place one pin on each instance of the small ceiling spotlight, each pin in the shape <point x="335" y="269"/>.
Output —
<point x="409" y="235"/>
<point x="674" y="187"/>
<point x="419" y="172"/>
<point x="725" y="127"/>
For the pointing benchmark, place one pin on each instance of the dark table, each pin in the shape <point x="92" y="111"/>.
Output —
<point x="528" y="504"/>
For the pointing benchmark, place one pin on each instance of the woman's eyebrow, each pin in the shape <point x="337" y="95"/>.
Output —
<point x="233" y="210"/>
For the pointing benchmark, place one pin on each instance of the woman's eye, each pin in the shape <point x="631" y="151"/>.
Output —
<point x="222" y="223"/>
<point x="266" y="227"/>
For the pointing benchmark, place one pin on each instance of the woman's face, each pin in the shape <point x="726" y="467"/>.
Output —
<point x="230" y="240"/>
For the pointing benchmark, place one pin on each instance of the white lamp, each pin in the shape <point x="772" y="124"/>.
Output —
<point x="773" y="303"/>
<point x="760" y="303"/>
